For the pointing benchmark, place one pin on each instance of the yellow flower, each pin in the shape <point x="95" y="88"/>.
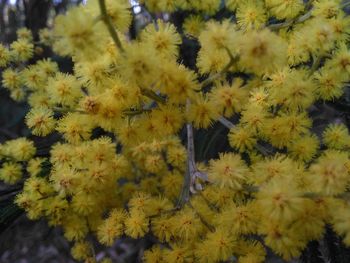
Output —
<point x="153" y="255"/>
<point x="167" y="119"/>
<point x="336" y="136"/>
<point x="164" y="40"/>
<point x="186" y="225"/>
<point x="242" y="139"/>
<point x="36" y="165"/>
<point x="285" y="9"/>
<point x="136" y="224"/>
<point x="78" y="34"/>
<point x="220" y="244"/>
<point x="75" y="127"/>
<point x="64" y="89"/>
<point x="229" y="98"/>
<point x="20" y="149"/>
<point x="228" y="171"/>
<point x="178" y="254"/>
<point x="251" y="15"/>
<point x="278" y="202"/>
<point x="203" y="112"/>
<point x="262" y="51"/>
<point x="24" y="33"/>
<point x="81" y="250"/>
<point x="141" y="64"/>
<point x="193" y="25"/>
<point x="111" y="228"/>
<point x="163" y="227"/>
<point x="11" y="173"/>
<point x="326" y="8"/>
<point x="329" y="173"/>
<point x="330" y="84"/>
<point x="118" y="11"/>
<point x="11" y="79"/>
<point x="304" y="148"/>
<point x="284" y="241"/>
<point x="218" y="36"/>
<point x="22" y="50"/>
<point x="40" y="121"/>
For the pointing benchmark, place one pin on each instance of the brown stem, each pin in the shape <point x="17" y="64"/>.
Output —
<point x="107" y="20"/>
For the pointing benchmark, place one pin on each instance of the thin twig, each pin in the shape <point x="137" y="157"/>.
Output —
<point x="212" y="78"/>
<point x="344" y="5"/>
<point x="204" y="222"/>
<point x="152" y="95"/>
<point x="107" y="20"/>
<point x="315" y="64"/>
<point x="226" y="122"/>
<point x="191" y="168"/>
<point x="185" y="192"/>
<point x="291" y="22"/>
<point x="230" y="125"/>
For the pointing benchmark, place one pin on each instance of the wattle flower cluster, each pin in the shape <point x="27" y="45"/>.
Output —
<point x="122" y="166"/>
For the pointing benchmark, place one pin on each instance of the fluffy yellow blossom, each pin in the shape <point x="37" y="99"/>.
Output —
<point x="111" y="228"/>
<point x="153" y="255"/>
<point x="251" y="15"/>
<point x="280" y="204"/>
<point x="81" y="250"/>
<point x="118" y="12"/>
<point x="203" y="112"/>
<point x="64" y="90"/>
<point x="242" y="139"/>
<point x="78" y="34"/>
<point x="262" y="51"/>
<point x="11" y="173"/>
<point x="40" y="121"/>
<point x="329" y="174"/>
<point x="218" y="246"/>
<point x="136" y="224"/>
<point x="304" y="148"/>
<point x="336" y="136"/>
<point x="285" y="9"/>
<point x="229" y="98"/>
<point x="228" y="171"/>
<point x="22" y="50"/>
<point x="178" y="254"/>
<point x="75" y="127"/>
<point x="164" y="39"/>
<point x="20" y="149"/>
<point x="11" y="80"/>
<point x="36" y="165"/>
<point x="193" y="25"/>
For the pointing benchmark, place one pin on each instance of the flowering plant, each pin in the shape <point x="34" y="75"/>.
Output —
<point x="120" y="165"/>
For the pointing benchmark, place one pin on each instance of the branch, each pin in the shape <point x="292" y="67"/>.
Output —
<point x="291" y="22"/>
<point x="226" y="122"/>
<point x="191" y="171"/>
<point x="152" y="95"/>
<point x="210" y="79"/>
<point x="185" y="192"/>
<point x="106" y="19"/>
<point x="344" y="5"/>
<point x="230" y="125"/>
<point x="315" y="65"/>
